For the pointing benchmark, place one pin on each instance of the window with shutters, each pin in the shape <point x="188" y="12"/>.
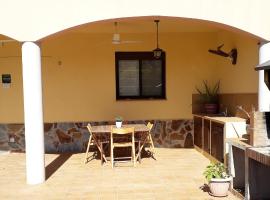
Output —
<point x="139" y="75"/>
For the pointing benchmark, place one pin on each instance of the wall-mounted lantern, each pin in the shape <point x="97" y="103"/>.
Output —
<point x="6" y="80"/>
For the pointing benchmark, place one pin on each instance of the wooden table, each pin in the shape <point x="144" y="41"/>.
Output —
<point x="102" y="133"/>
<point x="107" y="128"/>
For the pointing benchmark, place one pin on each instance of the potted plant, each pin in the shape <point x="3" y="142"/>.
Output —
<point x="209" y="97"/>
<point x="218" y="179"/>
<point x="118" y="121"/>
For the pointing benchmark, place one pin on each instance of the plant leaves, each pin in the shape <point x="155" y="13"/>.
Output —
<point x="199" y="91"/>
<point x="215" y="170"/>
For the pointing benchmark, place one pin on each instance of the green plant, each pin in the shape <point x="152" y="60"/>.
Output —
<point x="208" y="94"/>
<point x="118" y="119"/>
<point x="215" y="170"/>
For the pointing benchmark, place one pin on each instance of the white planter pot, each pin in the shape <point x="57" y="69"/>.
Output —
<point x="118" y="124"/>
<point x="219" y="186"/>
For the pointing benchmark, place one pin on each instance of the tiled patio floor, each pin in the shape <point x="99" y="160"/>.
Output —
<point x="177" y="174"/>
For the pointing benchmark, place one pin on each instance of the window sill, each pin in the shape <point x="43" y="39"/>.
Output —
<point x="142" y="99"/>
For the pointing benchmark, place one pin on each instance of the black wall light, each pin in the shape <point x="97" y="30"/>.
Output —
<point x="6" y="80"/>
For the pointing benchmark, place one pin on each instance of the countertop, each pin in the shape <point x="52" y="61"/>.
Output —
<point x="220" y="119"/>
<point x="239" y="142"/>
<point x="260" y="154"/>
<point x="226" y="119"/>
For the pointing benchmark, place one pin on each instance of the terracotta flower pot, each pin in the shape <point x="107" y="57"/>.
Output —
<point x="219" y="186"/>
<point x="211" y="108"/>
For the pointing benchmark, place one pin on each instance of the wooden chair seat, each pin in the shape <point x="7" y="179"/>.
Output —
<point x="128" y="141"/>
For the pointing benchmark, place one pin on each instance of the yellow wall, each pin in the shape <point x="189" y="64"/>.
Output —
<point x="239" y="78"/>
<point x="11" y="100"/>
<point x="82" y="87"/>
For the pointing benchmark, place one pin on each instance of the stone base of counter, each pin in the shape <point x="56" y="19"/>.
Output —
<point x="73" y="137"/>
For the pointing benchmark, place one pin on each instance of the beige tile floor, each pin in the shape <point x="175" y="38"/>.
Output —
<point x="177" y="174"/>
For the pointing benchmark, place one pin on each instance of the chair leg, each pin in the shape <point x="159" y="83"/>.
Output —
<point x="152" y="144"/>
<point x="140" y="158"/>
<point x="101" y="153"/>
<point x="112" y="155"/>
<point x="134" y="156"/>
<point x="87" y="150"/>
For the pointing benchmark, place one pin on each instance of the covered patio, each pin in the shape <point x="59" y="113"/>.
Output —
<point x="176" y="174"/>
<point x="61" y="71"/>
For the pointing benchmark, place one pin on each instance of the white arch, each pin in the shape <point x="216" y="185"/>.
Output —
<point x="32" y="20"/>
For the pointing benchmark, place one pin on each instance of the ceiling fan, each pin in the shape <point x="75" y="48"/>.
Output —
<point x="116" y="37"/>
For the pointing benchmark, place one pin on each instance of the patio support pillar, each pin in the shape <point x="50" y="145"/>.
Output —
<point x="263" y="93"/>
<point x="33" y="113"/>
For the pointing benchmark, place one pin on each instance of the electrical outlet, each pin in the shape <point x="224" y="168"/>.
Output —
<point x="12" y="139"/>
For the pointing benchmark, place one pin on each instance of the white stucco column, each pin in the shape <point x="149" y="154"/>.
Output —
<point x="263" y="93"/>
<point x="33" y="113"/>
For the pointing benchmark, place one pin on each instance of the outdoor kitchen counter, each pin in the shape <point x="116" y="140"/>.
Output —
<point x="224" y="120"/>
<point x="237" y="161"/>
<point x="260" y="154"/>
<point x="220" y="119"/>
<point x="257" y="173"/>
<point x="211" y="132"/>
<point x="250" y="169"/>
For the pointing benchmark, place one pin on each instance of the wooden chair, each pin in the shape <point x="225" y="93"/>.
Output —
<point x="90" y="142"/>
<point x="122" y="138"/>
<point x="142" y="141"/>
<point x="150" y="140"/>
<point x="98" y="142"/>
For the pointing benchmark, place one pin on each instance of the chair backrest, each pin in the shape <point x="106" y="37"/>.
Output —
<point x="150" y="126"/>
<point x="122" y="131"/>
<point x="89" y="128"/>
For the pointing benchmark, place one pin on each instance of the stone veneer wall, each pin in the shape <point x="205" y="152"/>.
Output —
<point x="73" y="137"/>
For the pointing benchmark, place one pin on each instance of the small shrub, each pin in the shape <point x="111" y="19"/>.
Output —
<point x="118" y="119"/>
<point x="208" y="94"/>
<point x="215" y="170"/>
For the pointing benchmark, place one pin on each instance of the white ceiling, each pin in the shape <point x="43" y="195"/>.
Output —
<point x="171" y="25"/>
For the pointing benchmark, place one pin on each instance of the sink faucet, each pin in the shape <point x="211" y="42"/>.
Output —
<point x="243" y="110"/>
<point x="225" y="112"/>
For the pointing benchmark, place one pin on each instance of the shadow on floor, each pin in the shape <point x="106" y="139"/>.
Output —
<point x="94" y="154"/>
<point x="205" y="188"/>
<point x="147" y="154"/>
<point x="56" y="164"/>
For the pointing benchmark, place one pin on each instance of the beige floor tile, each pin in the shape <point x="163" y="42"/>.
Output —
<point x="175" y="175"/>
